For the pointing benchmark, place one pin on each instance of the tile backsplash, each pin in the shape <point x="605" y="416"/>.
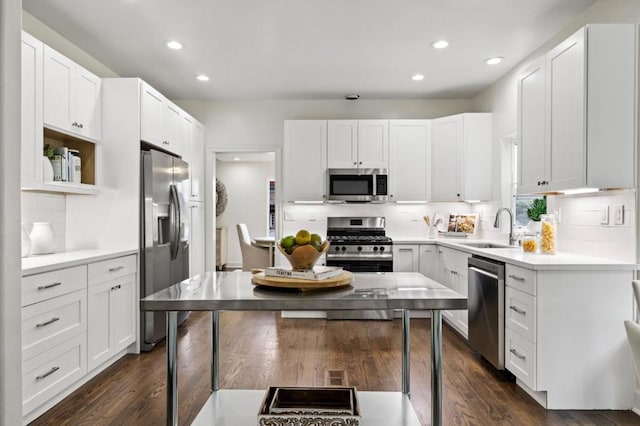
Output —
<point x="40" y="207"/>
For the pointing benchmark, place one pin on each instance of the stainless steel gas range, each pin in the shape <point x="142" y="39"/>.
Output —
<point x="359" y="244"/>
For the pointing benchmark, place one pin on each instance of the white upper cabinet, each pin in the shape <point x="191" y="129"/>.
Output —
<point x="305" y="160"/>
<point x="193" y="147"/>
<point x="587" y="110"/>
<point x="358" y="144"/>
<point x="72" y="102"/>
<point x="461" y="158"/>
<point x="32" y="137"/>
<point x="409" y="160"/>
<point x="160" y="120"/>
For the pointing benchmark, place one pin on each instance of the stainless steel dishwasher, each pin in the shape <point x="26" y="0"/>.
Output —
<point x="486" y="309"/>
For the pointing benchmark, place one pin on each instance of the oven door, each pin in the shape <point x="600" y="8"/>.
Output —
<point x="362" y="265"/>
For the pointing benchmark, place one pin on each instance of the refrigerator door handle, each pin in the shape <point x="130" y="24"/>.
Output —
<point x="174" y="224"/>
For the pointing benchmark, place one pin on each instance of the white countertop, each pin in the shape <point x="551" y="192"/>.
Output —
<point x="37" y="264"/>
<point x="516" y="256"/>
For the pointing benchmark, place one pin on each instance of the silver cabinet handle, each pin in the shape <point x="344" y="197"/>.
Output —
<point x="515" y="308"/>
<point x="405" y="249"/>
<point x="44" y="287"/>
<point x="515" y="277"/>
<point x="48" y="373"/>
<point x="522" y="357"/>
<point x="117" y="268"/>
<point x="51" y="321"/>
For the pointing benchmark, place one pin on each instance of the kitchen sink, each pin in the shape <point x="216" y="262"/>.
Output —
<point x="487" y="245"/>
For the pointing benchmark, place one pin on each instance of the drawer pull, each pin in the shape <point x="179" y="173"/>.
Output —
<point x="114" y="288"/>
<point x="522" y="357"/>
<point x="48" y="373"/>
<point x="515" y="277"/>
<point x="515" y="308"/>
<point x="117" y="268"/>
<point x="405" y="249"/>
<point x="51" y="321"/>
<point x="44" y="287"/>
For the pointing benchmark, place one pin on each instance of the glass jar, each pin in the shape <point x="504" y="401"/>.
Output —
<point x="531" y="243"/>
<point x="548" y="234"/>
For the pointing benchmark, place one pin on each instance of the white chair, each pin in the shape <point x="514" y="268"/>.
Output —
<point x="633" y="330"/>
<point x="252" y="256"/>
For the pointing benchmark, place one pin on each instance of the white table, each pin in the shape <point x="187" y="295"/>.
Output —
<point x="215" y="291"/>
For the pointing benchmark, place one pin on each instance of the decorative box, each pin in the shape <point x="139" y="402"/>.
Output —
<point x="319" y="406"/>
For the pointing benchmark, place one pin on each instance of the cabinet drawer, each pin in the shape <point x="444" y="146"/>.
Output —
<point x="50" y="372"/>
<point x="39" y="287"/>
<point x="521" y="278"/>
<point x="112" y="268"/>
<point x="48" y="323"/>
<point x="520" y="313"/>
<point x="520" y="358"/>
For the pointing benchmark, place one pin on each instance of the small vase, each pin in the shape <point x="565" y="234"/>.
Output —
<point x="26" y="241"/>
<point x="47" y="169"/>
<point x="534" y="226"/>
<point x="43" y="240"/>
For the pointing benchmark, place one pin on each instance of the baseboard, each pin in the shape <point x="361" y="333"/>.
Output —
<point x="636" y="402"/>
<point x="539" y="397"/>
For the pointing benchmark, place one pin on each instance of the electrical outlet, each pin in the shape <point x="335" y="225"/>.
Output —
<point x="618" y="214"/>
<point x="312" y="216"/>
<point x="288" y="215"/>
<point x="604" y="215"/>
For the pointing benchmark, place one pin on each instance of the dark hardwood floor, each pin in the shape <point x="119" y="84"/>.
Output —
<point x="260" y="349"/>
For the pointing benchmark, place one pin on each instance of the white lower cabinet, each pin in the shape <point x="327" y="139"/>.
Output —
<point x="429" y="261"/>
<point x="564" y="339"/>
<point x="74" y="320"/>
<point x="453" y="274"/>
<point x="406" y="258"/>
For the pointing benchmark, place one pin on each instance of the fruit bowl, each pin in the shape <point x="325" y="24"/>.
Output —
<point x="304" y="257"/>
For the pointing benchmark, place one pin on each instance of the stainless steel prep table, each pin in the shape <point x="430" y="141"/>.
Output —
<point x="215" y="291"/>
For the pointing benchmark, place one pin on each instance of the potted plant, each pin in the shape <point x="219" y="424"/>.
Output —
<point x="537" y="209"/>
<point x="47" y="166"/>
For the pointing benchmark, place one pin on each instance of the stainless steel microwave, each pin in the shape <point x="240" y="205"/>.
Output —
<point x="357" y="185"/>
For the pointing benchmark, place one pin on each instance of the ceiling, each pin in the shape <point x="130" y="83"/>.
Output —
<point x="309" y="49"/>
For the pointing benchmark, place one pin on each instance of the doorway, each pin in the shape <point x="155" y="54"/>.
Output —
<point x="250" y="184"/>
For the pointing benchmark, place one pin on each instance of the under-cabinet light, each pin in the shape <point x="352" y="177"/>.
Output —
<point x="580" y="191"/>
<point x="308" y="202"/>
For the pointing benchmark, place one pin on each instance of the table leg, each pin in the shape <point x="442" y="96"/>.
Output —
<point x="436" y="368"/>
<point x="172" y="368"/>
<point x="406" y="352"/>
<point x="215" y="330"/>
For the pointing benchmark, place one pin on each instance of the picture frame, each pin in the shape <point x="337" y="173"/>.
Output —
<point x="466" y="223"/>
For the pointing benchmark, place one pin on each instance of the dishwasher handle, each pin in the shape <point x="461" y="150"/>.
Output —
<point x="483" y="272"/>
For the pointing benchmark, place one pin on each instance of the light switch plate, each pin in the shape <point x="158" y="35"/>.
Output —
<point x="618" y="214"/>
<point x="604" y="215"/>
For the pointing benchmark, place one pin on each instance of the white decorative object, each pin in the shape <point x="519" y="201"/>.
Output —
<point x="534" y="226"/>
<point x="26" y="241"/>
<point x="47" y="169"/>
<point x="43" y="240"/>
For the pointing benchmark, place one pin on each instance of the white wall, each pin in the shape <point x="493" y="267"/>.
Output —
<point x="10" y="334"/>
<point x="501" y="99"/>
<point x="41" y="207"/>
<point x="248" y="198"/>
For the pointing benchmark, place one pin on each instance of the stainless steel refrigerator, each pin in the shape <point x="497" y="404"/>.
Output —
<point x="164" y="234"/>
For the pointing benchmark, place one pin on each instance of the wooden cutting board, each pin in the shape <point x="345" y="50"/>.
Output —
<point x="259" y="278"/>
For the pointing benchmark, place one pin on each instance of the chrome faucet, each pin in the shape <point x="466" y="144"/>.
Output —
<point x="496" y="224"/>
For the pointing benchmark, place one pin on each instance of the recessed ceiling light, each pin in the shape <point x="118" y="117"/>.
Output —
<point x="202" y="77"/>
<point x="417" y="77"/>
<point x="175" y="45"/>
<point x="493" y="61"/>
<point x="440" y="44"/>
<point x="236" y="158"/>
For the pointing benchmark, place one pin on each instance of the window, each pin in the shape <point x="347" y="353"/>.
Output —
<point x="521" y="203"/>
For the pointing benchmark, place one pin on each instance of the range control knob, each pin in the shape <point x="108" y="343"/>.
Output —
<point x="343" y="248"/>
<point x="375" y="249"/>
<point x="359" y="248"/>
<point x="337" y="248"/>
<point x="381" y="249"/>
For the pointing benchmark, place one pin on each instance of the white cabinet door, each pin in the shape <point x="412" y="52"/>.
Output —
<point x="462" y="316"/>
<point x="429" y="261"/>
<point x="373" y="144"/>
<point x="196" y="166"/>
<point x="565" y="67"/>
<point x="532" y="143"/>
<point x="172" y="128"/>
<point x="99" y="347"/>
<point x="58" y="77"/>
<point x="31" y="96"/>
<point x="88" y="105"/>
<point x="342" y="144"/>
<point x="406" y="258"/>
<point x="151" y="115"/>
<point x="123" y="312"/>
<point x="196" y="244"/>
<point x="448" y="279"/>
<point x="305" y="160"/>
<point x="445" y="161"/>
<point x="409" y="159"/>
